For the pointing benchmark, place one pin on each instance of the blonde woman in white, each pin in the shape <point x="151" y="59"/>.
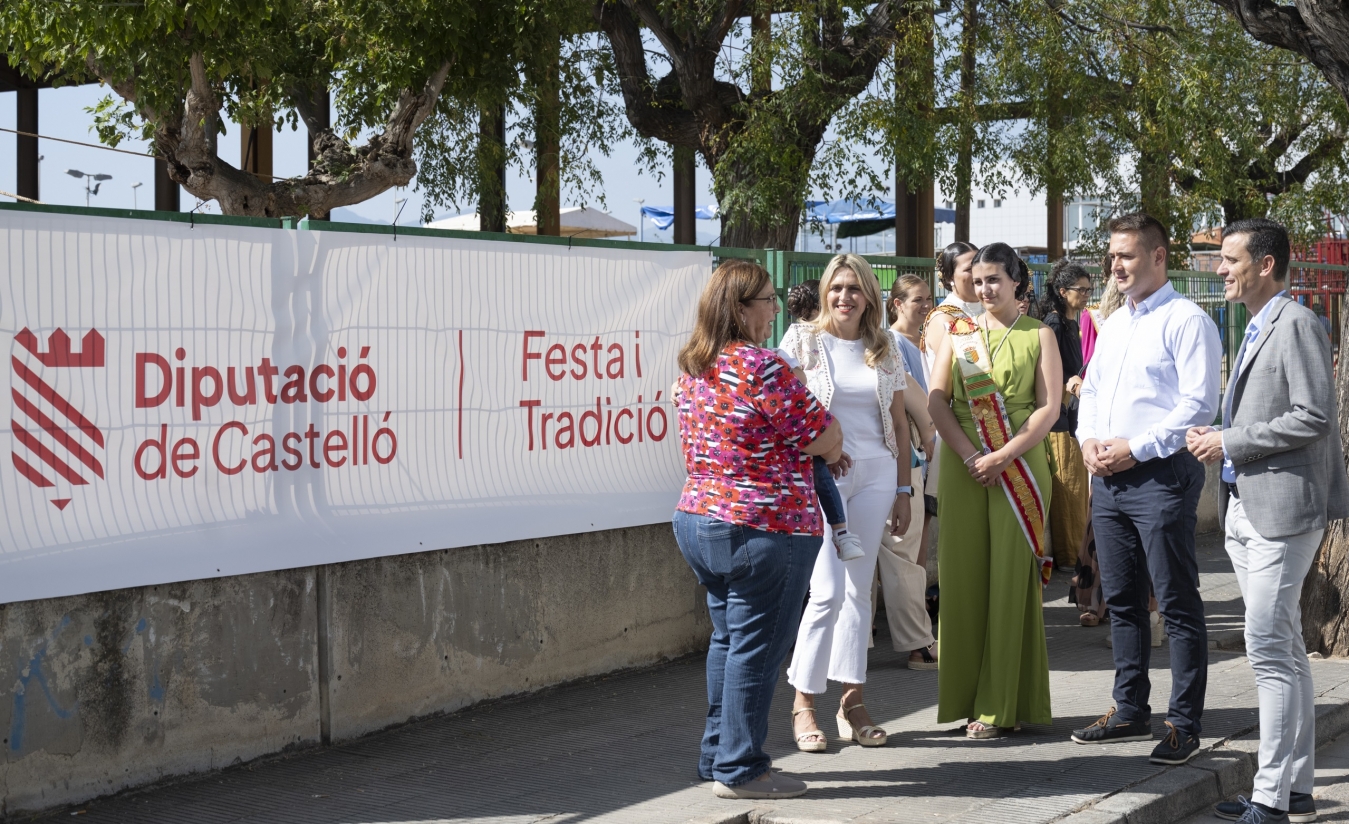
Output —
<point x="851" y="366"/>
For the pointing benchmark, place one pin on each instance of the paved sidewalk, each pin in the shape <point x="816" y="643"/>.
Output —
<point x="623" y="749"/>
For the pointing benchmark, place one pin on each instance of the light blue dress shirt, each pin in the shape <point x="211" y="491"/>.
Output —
<point x="1252" y="332"/>
<point x="1155" y="373"/>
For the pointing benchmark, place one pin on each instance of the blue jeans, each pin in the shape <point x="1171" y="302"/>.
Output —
<point x="756" y="583"/>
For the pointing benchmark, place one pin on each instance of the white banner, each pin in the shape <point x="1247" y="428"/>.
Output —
<point x="192" y="402"/>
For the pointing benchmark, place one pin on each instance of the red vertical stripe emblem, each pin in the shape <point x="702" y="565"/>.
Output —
<point x="54" y="441"/>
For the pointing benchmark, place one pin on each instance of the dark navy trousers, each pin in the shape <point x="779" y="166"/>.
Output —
<point x="1144" y="519"/>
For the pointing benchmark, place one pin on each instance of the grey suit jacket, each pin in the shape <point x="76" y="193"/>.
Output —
<point x="1284" y="433"/>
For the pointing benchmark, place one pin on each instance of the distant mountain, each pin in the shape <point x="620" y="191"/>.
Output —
<point x="344" y="215"/>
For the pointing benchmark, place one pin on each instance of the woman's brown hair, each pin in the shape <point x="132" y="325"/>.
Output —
<point x="718" y="323"/>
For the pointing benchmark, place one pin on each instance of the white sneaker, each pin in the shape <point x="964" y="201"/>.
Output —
<point x="1158" y="628"/>
<point x="849" y="546"/>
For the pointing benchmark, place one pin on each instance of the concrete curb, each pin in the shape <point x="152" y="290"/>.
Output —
<point x="1174" y="794"/>
<point x="1180" y="792"/>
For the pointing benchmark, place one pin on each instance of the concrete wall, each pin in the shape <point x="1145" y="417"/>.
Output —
<point x="118" y="689"/>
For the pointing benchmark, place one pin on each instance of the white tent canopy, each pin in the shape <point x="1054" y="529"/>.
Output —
<point x="577" y="221"/>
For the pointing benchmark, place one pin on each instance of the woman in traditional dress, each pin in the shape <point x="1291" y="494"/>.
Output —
<point x="1066" y="295"/>
<point x="1002" y="372"/>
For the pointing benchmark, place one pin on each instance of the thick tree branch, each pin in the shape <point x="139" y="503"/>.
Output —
<point x="341" y="175"/>
<point x="1330" y="146"/>
<point x="1321" y="36"/>
<point x="661" y="110"/>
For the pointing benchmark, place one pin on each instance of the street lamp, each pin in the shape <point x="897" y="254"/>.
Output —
<point x="88" y="176"/>
<point x="641" y="219"/>
<point x="135" y="202"/>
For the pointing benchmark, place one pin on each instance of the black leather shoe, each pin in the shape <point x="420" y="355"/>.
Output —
<point x="1301" y="808"/>
<point x="1245" y="811"/>
<point x="1175" y="749"/>
<point x="1109" y="729"/>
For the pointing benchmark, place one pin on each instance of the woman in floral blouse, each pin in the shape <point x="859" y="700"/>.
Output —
<point x="747" y="522"/>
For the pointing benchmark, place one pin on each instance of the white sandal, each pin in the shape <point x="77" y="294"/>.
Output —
<point x="862" y="735"/>
<point x="804" y="745"/>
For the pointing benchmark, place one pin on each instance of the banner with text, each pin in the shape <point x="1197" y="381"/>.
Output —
<point x="191" y="402"/>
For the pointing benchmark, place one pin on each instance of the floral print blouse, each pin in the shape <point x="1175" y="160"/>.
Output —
<point x="743" y="426"/>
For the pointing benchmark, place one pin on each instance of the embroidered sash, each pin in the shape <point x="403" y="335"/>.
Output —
<point x="995" y="430"/>
<point x="953" y="314"/>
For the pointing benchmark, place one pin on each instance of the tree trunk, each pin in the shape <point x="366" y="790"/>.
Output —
<point x="1325" y="623"/>
<point x="492" y="168"/>
<point x="685" y="193"/>
<point x="1154" y="186"/>
<point x="965" y="150"/>
<point x="322" y="122"/>
<point x="779" y="234"/>
<point x="1325" y="592"/>
<point x="1234" y="210"/>
<point x="547" y="144"/>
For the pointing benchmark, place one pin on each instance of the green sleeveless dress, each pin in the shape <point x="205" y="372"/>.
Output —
<point x="993" y="665"/>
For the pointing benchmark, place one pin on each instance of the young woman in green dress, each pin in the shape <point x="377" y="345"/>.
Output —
<point x="1003" y="373"/>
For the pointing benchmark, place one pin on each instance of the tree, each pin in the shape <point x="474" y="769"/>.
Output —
<point x="459" y="164"/>
<point x="1319" y="33"/>
<point x="761" y="143"/>
<point x="1211" y="124"/>
<point x="175" y="65"/>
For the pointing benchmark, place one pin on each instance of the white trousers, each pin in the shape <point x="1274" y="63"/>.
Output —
<point x="1270" y="572"/>
<point x="904" y="582"/>
<point x="836" y="627"/>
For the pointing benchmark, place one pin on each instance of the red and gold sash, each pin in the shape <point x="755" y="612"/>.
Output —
<point x="995" y="430"/>
<point x="953" y="314"/>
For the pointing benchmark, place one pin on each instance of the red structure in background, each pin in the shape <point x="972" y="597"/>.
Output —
<point x="1322" y="288"/>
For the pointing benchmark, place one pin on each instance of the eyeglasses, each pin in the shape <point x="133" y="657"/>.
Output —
<point x="773" y="298"/>
<point x="1081" y="290"/>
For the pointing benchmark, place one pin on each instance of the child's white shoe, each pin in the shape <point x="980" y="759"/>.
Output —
<point x="848" y="545"/>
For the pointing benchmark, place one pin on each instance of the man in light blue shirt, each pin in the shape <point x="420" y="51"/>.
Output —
<point x="1154" y="375"/>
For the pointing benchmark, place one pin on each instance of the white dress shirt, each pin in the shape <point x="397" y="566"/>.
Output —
<point x="1252" y="332"/>
<point x="1155" y="373"/>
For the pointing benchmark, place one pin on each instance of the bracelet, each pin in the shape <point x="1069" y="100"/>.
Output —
<point x="972" y="457"/>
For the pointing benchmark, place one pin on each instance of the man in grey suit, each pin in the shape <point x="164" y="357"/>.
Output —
<point x="1284" y="480"/>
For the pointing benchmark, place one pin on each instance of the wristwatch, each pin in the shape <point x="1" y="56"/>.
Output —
<point x="904" y="490"/>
